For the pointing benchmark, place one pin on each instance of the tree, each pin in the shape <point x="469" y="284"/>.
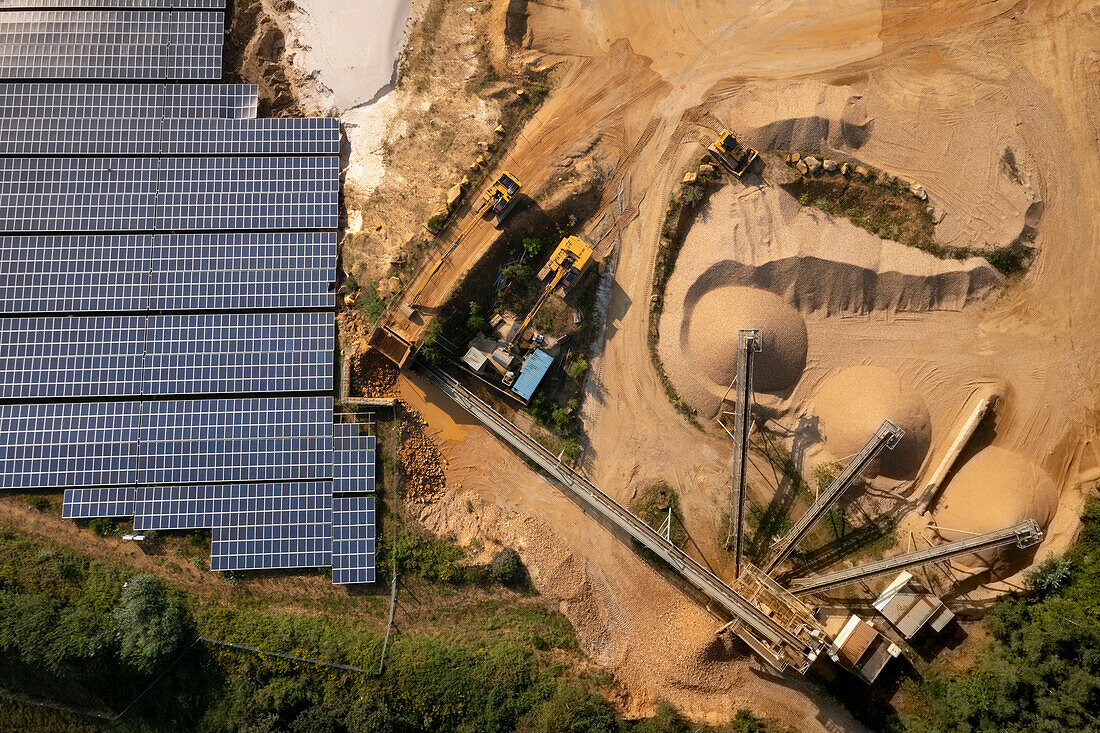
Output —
<point x="532" y="246"/>
<point x="475" y="322"/>
<point x="151" y="626"/>
<point x="578" y="368"/>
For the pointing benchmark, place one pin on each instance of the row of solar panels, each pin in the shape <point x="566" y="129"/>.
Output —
<point x="157" y="272"/>
<point x="168" y="194"/>
<point x="136" y="101"/>
<point x="169" y="137"/>
<point x="159" y="355"/>
<point x="227" y="440"/>
<point x="111" y="44"/>
<point x="254" y="526"/>
<point x="151" y="4"/>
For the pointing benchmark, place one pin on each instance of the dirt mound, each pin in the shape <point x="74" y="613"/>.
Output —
<point x="422" y="464"/>
<point x="997" y="488"/>
<point x="853" y="403"/>
<point x="709" y="336"/>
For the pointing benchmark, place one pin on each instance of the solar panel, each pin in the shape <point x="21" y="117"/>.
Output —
<point x="135" y="194"/>
<point x="239" y="270"/>
<point x="352" y="463"/>
<point x="147" y="136"/>
<point x="236" y="440"/>
<point x="268" y="526"/>
<point x="249" y="193"/>
<point x="178" y="507"/>
<point x="352" y="539"/>
<point x="106" y="503"/>
<point x="54" y="274"/>
<point x="54" y="445"/>
<point x="67" y="357"/>
<point x="138" y="101"/>
<point x="110" y="44"/>
<point x="74" y="194"/>
<point x="239" y="353"/>
<point x="151" y="4"/>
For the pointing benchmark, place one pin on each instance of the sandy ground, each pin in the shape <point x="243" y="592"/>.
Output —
<point x="935" y="92"/>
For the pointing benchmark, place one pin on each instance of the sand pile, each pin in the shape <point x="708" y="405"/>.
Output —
<point x="997" y="488"/>
<point x="852" y="404"/>
<point x="710" y="329"/>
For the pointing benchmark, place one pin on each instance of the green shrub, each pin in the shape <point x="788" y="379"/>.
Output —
<point x="532" y="246"/>
<point x="578" y="368"/>
<point x="570" y="710"/>
<point x="370" y="305"/>
<point x="104" y="527"/>
<point x="436" y="223"/>
<point x="507" y="567"/>
<point x="41" y="503"/>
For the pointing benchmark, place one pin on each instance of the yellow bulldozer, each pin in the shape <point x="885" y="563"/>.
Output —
<point x="732" y="154"/>
<point x="501" y="197"/>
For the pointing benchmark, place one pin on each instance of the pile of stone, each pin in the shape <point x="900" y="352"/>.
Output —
<point x="373" y="375"/>
<point x="808" y="165"/>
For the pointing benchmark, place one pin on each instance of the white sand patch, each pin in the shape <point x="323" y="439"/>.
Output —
<point x="365" y="128"/>
<point x="351" y="47"/>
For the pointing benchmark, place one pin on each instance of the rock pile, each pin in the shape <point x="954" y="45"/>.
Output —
<point x="373" y="375"/>
<point x="422" y="463"/>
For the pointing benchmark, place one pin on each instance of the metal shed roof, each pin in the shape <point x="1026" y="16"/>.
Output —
<point x="533" y="371"/>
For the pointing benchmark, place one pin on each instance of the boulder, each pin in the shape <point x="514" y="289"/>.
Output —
<point x="349" y="300"/>
<point x="862" y="172"/>
<point x="478" y="161"/>
<point x="794" y="158"/>
<point x="454" y="193"/>
<point x="918" y="190"/>
<point x="706" y="169"/>
<point x="801" y="167"/>
<point x="829" y="165"/>
<point x="845" y="169"/>
<point x="499" y="130"/>
<point x="690" y="177"/>
<point x="812" y="164"/>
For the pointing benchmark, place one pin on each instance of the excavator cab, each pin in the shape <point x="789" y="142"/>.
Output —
<point x="731" y="154"/>
<point x="501" y="197"/>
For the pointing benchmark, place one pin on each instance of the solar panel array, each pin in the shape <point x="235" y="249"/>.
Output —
<point x="111" y="44"/>
<point x="166" y="290"/>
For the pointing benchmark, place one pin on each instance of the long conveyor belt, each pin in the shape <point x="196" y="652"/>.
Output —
<point x="778" y="645"/>
<point x="1025" y="534"/>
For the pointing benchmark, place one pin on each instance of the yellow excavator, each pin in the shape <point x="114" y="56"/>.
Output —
<point x="732" y="154"/>
<point x="570" y="260"/>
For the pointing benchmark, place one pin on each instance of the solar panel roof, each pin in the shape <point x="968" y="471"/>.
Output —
<point x="147" y="136"/>
<point x="134" y="101"/>
<point x="54" y="445"/>
<point x="108" y="503"/>
<point x="111" y="44"/>
<point x="268" y="526"/>
<point x="135" y="272"/>
<point x="236" y="440"/>
<point x="136" y="194"/>
<point x="353" y="539"/>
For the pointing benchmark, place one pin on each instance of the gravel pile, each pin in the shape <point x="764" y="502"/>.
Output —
<point x="422" y="463"/>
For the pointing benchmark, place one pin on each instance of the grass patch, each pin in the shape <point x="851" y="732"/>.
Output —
<point x="888" y="210"/>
